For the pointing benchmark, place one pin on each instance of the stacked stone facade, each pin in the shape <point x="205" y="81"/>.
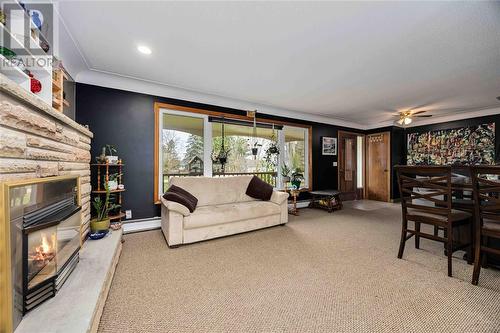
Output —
<point x="37" y="141"/>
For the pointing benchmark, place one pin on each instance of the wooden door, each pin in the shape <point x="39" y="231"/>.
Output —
<point x="348" y="165"/>
<point x="378" y="166"/>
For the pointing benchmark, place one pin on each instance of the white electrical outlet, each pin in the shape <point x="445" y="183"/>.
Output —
<point x="334" y="163"/>
<point x="128" y="214"/>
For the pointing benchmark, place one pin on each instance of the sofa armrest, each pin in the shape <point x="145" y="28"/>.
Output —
<point x="279" y="197"/>
<point x="176" y="207"/>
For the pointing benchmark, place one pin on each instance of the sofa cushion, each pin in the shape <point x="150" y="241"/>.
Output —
<point x="259" y="189"/>
<point x="181" y="199"/>
<point x="216" y="190"/>
<point x="211" y="215"/>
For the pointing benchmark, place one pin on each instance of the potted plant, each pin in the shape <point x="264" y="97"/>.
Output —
<point x="285" y="173"/>
<point x="113" y="181"/>
<point x="297" y="178"/>
<point x="272" y="153"/>
<point x="101" y="159"/>
<point x="255" y="149"/>
<point x="111" y="156"/>
<point x="102" y="208"/>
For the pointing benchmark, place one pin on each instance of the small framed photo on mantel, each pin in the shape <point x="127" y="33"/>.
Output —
<point x="329" y="145"/>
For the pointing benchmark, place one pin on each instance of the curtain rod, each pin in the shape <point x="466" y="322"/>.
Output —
<point x="242" y="122"/>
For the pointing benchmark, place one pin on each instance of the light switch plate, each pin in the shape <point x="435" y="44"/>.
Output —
<point x="128" y="214"/>
<point x="334" y="163"/>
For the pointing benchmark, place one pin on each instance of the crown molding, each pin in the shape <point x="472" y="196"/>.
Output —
<point x="123" y="82"/>
<point x="116" y="81"/>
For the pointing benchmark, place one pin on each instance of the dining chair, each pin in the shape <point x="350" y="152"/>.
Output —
<point x="486" y="190"/>
<point x="426" y="199"/>
<point x="462" y="199"/>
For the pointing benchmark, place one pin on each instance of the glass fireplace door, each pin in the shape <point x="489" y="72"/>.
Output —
<point x="41" y="259"/>
<point x="68" y="239"/>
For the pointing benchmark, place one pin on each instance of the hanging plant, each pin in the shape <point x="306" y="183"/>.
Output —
<point x="272" y="152"/>
<point x="255" y="149"/>
<point x="221" y="156"/>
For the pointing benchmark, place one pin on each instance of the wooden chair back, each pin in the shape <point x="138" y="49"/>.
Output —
<point x="486" y="185"/>
<point x="426" y="189"/>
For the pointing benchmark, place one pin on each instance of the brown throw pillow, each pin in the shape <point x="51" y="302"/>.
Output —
<point x="181" y="191"/>
<point x="259" y="189"/>
<point x="179" y="195"/>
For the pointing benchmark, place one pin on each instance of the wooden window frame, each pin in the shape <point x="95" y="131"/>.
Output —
<point x="158" y="106"/>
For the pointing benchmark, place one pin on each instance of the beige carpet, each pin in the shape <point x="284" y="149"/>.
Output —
<point x="319" y="273"/>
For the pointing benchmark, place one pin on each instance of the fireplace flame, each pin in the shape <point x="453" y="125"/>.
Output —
<point x="46" y="249"/>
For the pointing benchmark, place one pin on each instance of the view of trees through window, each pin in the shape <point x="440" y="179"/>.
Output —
<point x="238" y="142"/>
<point x="183" y="144"/>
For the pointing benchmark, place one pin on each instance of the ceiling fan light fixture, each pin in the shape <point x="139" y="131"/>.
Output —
<point x="407" y="120"/>
<point x="144" y="49"/>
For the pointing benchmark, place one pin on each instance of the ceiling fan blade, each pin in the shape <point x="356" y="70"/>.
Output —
<point x="418" y="112"/>
<point x="424" y="116"/>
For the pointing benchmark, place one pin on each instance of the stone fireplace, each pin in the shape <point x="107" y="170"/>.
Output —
<point x="37" y="142"/>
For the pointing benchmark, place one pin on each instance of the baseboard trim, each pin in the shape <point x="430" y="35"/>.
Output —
<point x="141" y="225"/>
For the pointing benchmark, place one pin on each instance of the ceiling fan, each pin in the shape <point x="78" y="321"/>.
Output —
<point x="406" y="117"/>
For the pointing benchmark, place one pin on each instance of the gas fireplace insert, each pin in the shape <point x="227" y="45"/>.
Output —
<point x="44" y="223"/>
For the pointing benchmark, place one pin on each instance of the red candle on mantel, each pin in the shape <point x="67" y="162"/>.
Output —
<point x="36" y="86"/>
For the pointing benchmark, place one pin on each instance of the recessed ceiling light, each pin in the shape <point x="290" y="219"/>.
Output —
<point x="144" y="49"/>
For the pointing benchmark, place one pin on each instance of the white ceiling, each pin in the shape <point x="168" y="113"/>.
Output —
<point x="353" y="61"/>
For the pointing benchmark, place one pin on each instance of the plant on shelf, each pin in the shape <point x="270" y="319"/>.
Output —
<point x="113" y="181"/>
<point x="111" y="156"/>
<point x="116" y="209"/>
<point x="101" y="159"/>
<point x="285" y="173"/>
<point x="297" y="178"/>
<point x="102" y="208"/>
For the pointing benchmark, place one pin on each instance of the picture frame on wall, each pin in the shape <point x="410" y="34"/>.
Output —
<point x="329" y="146"/>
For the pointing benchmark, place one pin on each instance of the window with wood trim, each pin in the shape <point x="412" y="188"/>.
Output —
<point x="188" y="142"/>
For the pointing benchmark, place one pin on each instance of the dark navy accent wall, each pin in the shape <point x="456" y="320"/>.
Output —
<point x="126" y="119"/>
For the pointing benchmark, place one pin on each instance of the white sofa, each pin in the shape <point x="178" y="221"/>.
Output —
<point x="223" y="209"/>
